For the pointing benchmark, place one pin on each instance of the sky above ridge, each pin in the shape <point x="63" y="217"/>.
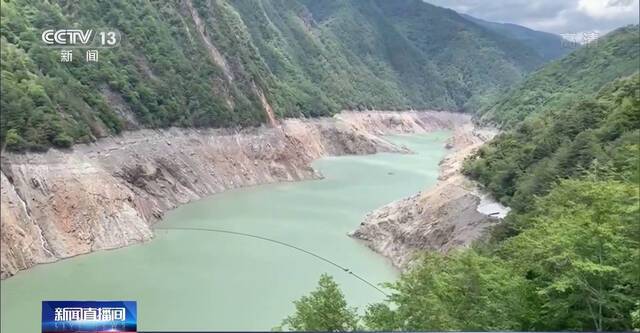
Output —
<point x="561" y="17"/>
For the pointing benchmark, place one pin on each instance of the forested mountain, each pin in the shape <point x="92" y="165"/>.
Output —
<point x="226" y="63"/>
<point x="579" y="75"/>
<point x="564" y="143"/>
<point x="547" y="45"/>
<point x="580" y="109"/>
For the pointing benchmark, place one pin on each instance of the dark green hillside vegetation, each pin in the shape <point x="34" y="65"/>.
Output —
<point x="600" y="134"/>
<point x="325" y="309"/>
<point x="579" y="75"/>
<point x="308" y="58"/>
<point x="161" y="74"/>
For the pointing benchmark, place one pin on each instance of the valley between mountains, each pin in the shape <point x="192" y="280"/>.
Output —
<point x="510" y="203"/>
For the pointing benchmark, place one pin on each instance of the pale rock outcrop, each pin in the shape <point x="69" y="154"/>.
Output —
<point x="453" y="214"/>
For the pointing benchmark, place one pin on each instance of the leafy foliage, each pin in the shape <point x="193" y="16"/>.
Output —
<point x="325" y="309"/>
<point x="463" y="291"/>
<point x="580" y="251"/>
<point x="635" y="318"/>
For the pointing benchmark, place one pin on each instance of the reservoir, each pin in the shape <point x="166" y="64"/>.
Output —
<point x="195" y="280"/>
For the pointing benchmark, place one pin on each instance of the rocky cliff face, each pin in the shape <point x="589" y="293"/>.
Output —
<point x="452" y="214"/>
<point x="108" y="194"/>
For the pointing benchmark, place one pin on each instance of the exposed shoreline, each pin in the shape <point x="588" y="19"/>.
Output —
<point x="454" y="213"/>
<point x="108" y="194"/>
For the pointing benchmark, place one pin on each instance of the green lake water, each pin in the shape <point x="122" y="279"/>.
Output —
<point x="194" y="280"/>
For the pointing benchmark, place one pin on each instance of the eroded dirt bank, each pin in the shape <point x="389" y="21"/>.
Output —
<point x="452" y="214"/>
<point x="108" y="194"/>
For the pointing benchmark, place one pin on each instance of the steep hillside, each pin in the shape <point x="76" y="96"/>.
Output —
<point x="577" y="114"/>
<point x="547" y="45"/>
<point x="219" y="63"/>
<point x="595" y="134"/>
<point x="579" y="75"/>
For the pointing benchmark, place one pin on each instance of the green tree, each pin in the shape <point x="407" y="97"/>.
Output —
<point x="63" y="140"/>
<point x="458" y="291"/>
<point x="635" y="318"/>
<point x="325" y="309"/>
<point x="581" y="253"/>
<point x="14" y="141"/>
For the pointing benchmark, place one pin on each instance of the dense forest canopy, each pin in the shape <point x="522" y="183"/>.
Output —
<point x="209" y="62"/>
<point x="527" y="161"/>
